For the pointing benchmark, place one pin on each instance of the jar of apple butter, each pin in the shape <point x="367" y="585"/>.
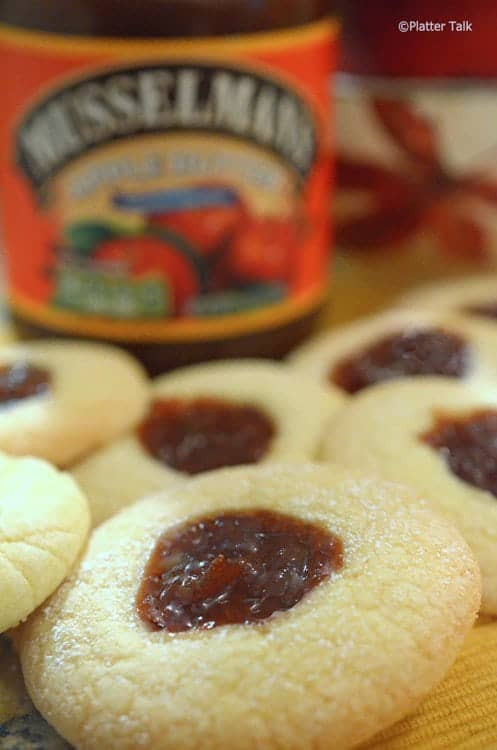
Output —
<point x="165" y="172"/>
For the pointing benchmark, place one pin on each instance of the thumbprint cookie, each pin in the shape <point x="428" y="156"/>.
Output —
<point x="440" y="438"/>
<point x="399" y="344"/>
<point x="278" y="606"/>
<point x="59" y="400"/>
<point x="208" y="417"/>
<point x="475" y="296"/>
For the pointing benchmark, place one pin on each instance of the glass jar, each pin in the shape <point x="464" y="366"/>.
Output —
<point x="165" y="172"/>
<point x="416" y="148"/>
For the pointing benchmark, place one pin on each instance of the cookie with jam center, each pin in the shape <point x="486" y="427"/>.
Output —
<point x="399" y="344"/>
<point x="475" y="296"/>
<point x="440" y="438"/>
<point x="44" y="520"/>
<point x="59" y="400"/>
<point x="274" y="606"/>
<point x="208" y="417"/>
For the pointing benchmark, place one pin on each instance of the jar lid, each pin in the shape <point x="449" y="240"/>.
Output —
<point x="420" y="38"/>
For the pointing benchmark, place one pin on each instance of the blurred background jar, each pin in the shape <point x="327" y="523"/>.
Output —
<point x="416" y="147"/>
<point x="165" y="172"/>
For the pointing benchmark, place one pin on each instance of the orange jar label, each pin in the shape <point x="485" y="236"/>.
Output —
<point x="166" y="190"/>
